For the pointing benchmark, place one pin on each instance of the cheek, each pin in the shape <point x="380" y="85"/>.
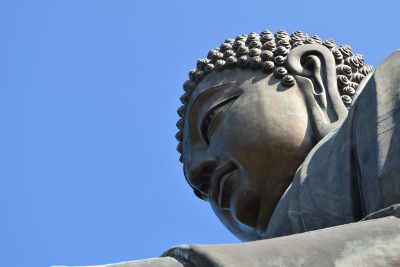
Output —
<point x="248" y="133"/>
<point x="258" y="134"/>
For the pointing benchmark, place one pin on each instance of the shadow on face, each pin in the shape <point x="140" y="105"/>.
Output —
<point x="245" y="136"/>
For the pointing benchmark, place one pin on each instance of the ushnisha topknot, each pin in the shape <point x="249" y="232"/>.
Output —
<point x="267" y="52"/>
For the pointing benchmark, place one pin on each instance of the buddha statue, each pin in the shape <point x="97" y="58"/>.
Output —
<point x="252" y="112"/>
<point x="294" y="143"/>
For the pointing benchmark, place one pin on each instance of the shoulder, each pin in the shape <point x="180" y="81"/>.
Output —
<point x="377" y="136"/>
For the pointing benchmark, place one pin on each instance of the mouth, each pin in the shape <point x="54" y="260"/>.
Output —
<point x="222" y="185"/>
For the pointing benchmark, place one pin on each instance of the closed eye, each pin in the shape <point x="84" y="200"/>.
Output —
<point x="211" y="114"/>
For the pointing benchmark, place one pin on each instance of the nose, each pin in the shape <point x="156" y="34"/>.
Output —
<point x="198" y="173"/>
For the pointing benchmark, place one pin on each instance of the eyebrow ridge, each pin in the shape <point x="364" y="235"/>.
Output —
<point x="218" y="86"/>
<point x="214" y="88"/>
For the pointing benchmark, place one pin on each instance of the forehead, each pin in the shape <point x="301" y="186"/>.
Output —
<point x="238" y="77"/>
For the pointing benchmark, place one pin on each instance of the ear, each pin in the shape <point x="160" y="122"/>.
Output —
<point x="314" y="67"/>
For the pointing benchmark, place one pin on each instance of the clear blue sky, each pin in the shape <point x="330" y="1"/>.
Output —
<point x="89" y="89"/>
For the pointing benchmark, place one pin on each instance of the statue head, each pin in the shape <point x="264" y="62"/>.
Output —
<point x="252" y="111"/>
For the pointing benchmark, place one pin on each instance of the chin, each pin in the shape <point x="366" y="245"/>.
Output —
<point x="242" y="221"/>
<point x="249" y="229"/>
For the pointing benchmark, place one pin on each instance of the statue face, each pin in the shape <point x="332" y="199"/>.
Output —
<point x="245" y="135"/>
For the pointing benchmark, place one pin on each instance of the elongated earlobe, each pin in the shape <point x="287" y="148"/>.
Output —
<point x="314" y="67"/>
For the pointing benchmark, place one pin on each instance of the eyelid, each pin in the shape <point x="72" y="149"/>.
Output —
<point x="208" y="117"/>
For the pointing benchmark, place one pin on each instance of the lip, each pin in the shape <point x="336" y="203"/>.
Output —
<point x="219" y="180"/>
